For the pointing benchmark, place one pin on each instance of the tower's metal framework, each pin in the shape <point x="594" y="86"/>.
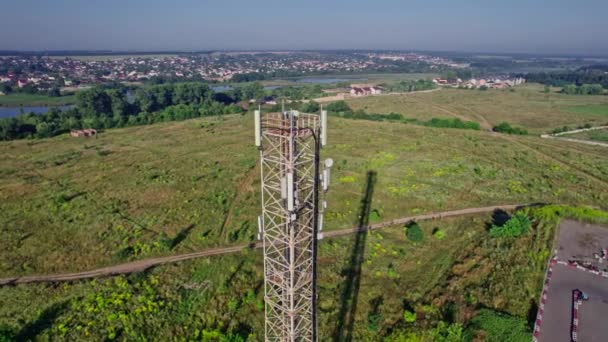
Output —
<point x="291" y="219"/>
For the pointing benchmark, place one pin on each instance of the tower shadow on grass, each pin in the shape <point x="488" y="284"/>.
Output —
<point x="44" y="321"/>
<point x="350" y="293"/>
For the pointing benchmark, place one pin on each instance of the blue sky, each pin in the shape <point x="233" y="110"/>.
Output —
<point x="531" y="26"/>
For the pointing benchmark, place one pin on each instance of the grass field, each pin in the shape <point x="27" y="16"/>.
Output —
<point x="600" y="109"/>
<point x="526" y="106"/>
<point x="183" y="186"/>
<point x="435" y="278"/>
<point x="18" y="100"/>
<point x="70" y="204"/>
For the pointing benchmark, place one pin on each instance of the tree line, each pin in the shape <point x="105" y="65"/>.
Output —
<point x="585" y="76"/>
<point x="101" y="108"/>
<point x="585" y="89"/>
<point x="341" y="109"/>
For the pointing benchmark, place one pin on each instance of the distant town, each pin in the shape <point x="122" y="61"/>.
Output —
<point x="69" y="73"/>
<point x="495" y="82"/>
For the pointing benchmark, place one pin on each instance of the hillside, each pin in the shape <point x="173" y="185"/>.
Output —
<point x="74" y="204"/>
<point x="526" y="106"/>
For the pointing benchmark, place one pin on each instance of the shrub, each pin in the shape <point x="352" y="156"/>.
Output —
<point x="409" y="316"/>
<point x="452" y="123"/>
<point x="373" y="321"/>
<point x="499" y="327"/>
<point x="374" y="216"/>
<point x="338" y="106"/>
<point x="553" y="213"/>
<point x="505" y="127"/>
<point x="438" y="234"/>
<point x="6" y="334"/>
<point x="448" y="332"/>
<point x="516" y="226"/>
<point x="414" y="232"/>
<point x="117" y="307"/>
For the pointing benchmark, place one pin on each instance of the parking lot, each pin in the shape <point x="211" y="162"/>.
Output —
<point x="577" y="241"/>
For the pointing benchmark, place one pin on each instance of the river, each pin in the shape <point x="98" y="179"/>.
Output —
<point x="9" y="112"/>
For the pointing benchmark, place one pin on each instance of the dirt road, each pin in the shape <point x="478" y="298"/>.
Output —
<point x="142" y="265"/>
<point x="561" y="135"/>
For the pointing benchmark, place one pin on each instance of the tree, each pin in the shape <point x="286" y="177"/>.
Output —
<point x="505" y="127"/>
<point x="338" y="106"/>
<point x="253" y="91"/>
<point x="146" y="100"/>
<point x="6" y="88"/>
<point x="570" y="89"/>
<point x="465" y="74"/>
<point x="310" y="107"/>
<point x="54" y="92"/>
<point x="516" y="226"/>
<point x="450" y="75"/>
<point x="45" y="130"/>
<point x="94" y="101"/>
<point x="29" y="89"/>
<point x="414" y="232"/>
<point x="119" y="102"/>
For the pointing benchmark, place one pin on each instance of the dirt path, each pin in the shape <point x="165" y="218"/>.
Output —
<point x="580" y="141"/>
<point x="142" y="265"/>
<point x="347" y="96"/>
<point x="561" y="135"/>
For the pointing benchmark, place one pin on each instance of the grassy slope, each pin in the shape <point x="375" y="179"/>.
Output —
<point x="396" y="274"/>
<point x="17" y="100"/>
<point x="600" y="109"/>
<point x="528" y="106"/>
<point x="73" y="204"/>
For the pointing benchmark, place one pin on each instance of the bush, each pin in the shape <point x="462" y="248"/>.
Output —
<point x="6" y="334"/>
<point x="452" y="123"/>
<point x="338" y="106"/>
<point x="414" y="232"/>
<point x="499" y="327"/>
<point x="505" y="127"/>
<point x="553" y="213"/>
<point x="560" y="130"/>
<point x="517" y="225"/>
<point x="438" y="234"/>
<point x="375" y="216"/>
<point x="448" y="332"/>
<point x="409" y="316"/>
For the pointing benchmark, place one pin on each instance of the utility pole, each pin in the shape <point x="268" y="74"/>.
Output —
<point x="293" y="189"/>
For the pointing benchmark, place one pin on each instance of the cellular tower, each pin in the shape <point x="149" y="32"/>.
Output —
<point x="293" y="190"/>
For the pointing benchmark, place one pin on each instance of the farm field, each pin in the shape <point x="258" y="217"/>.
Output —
<point x="17" y="100"/>
<point x="178" y="187"/>
<point x="527" y="106"/>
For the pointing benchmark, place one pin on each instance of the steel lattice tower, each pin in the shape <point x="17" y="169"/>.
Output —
<point x="291" y="220"/>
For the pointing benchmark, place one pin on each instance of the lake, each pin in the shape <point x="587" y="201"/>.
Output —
<point x="222" y="88"/>
<point x="321" y="80"/>
<point x="9" y="112"/>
